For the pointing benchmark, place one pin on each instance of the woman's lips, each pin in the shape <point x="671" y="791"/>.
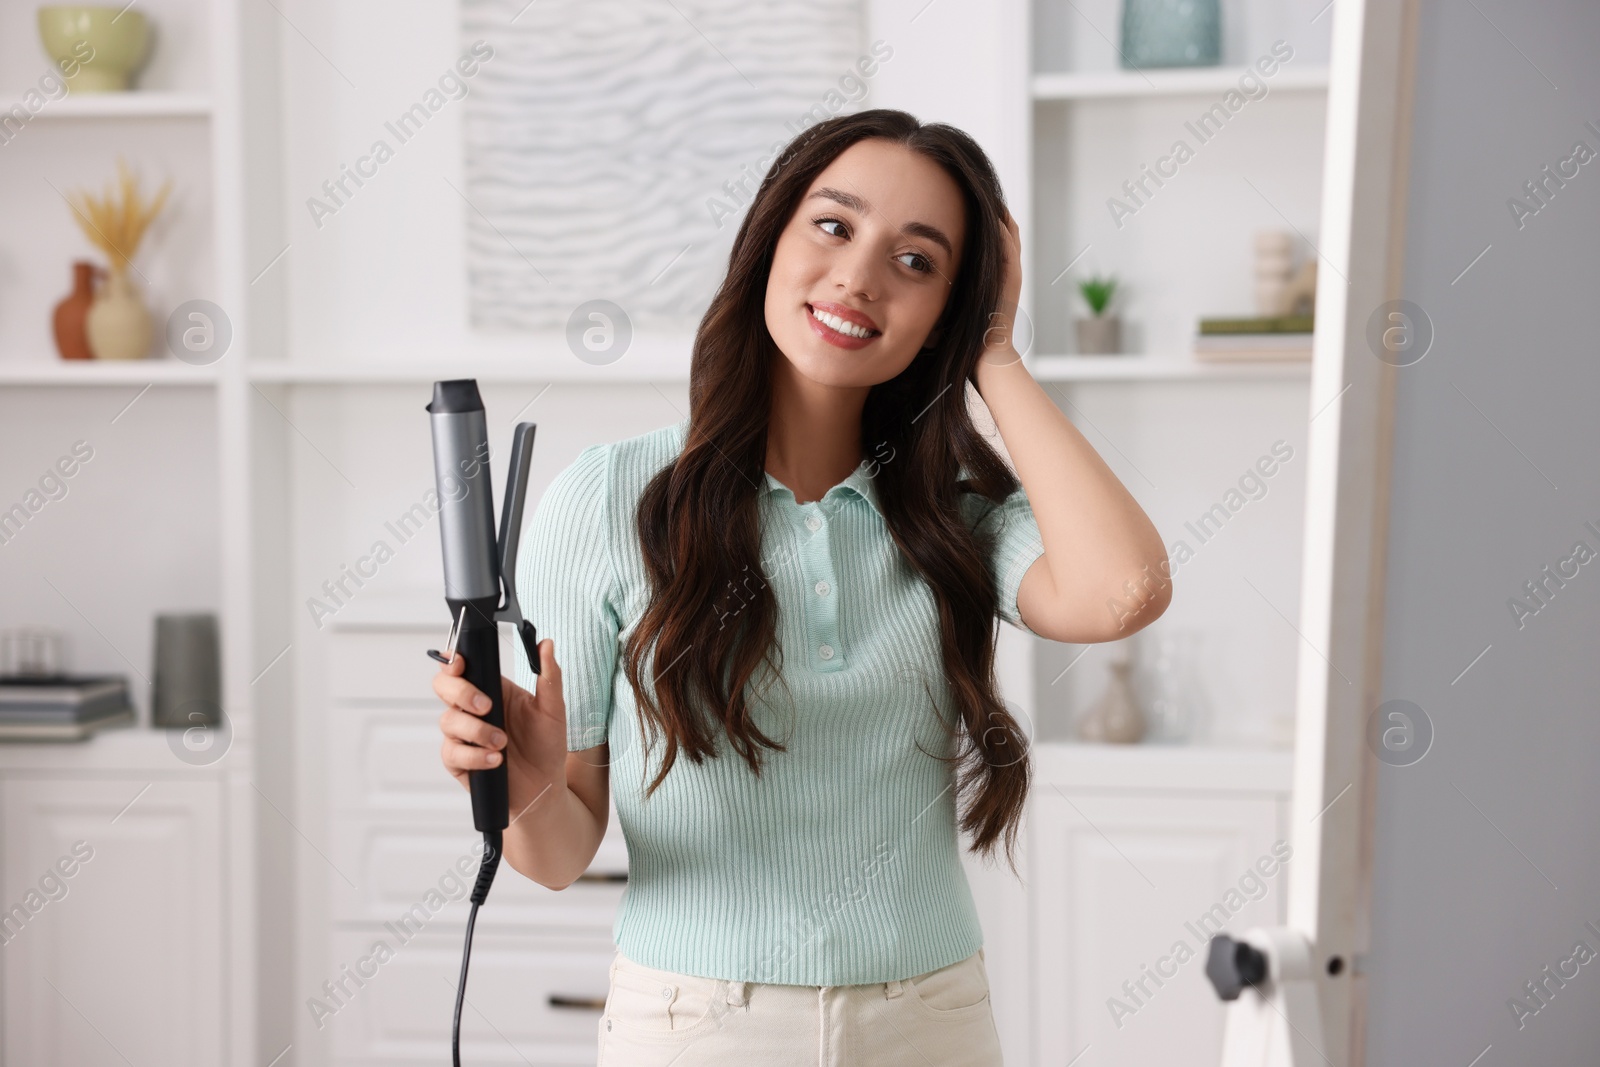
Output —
<point x="834" y="337"/>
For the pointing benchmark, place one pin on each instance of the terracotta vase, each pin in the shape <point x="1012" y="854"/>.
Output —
<point x="71" y="339"/>
<point x="118" y="324"/>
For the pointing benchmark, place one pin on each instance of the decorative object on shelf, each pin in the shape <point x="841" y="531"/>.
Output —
<point x="1101" y="334"/>
<point x="61" y="707"/>
<point x="97" y="49"/>
<point x="1274" y="268"/>
<point x="31" y="651"/>
<point x="188" y="671"/>
<point x="1116" y="717"/>
<point x="1260" y="338"/>
<point x="1285" y="305"/>
<point x="1171" y="33"/>
<point x="39" y="702"/>
<point x="72" y="341"/>
<point x="118" y="325"/>
<point x="1281" y="289"/>
<point x="1167" y="684"/>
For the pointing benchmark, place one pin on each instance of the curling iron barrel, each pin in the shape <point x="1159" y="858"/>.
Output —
<point x="479" y="569"/>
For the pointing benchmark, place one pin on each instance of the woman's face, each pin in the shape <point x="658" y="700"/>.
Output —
<point x="875" y="242"/>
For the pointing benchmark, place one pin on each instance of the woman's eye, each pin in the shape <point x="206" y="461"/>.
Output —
<point x="825" y="223"/>
<point x="922" y="265"/>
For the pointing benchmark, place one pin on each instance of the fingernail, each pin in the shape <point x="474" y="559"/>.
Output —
<point x="497" y="739"/>
<point x="494" y="758"/>
<point x="481" y="702"/>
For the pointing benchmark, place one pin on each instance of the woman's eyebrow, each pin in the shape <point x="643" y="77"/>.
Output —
<point x="861" y="207"/>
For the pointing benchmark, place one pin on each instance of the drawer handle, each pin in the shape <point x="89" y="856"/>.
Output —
<point x="581" y="1003"/>
<point x="602" y="876"/>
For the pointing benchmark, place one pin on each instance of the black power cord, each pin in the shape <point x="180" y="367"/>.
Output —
<point x="480" y="892"/>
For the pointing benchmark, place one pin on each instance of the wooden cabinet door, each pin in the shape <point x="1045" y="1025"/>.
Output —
<point x="124" y="964"/>
<point x="1127" y="890"/>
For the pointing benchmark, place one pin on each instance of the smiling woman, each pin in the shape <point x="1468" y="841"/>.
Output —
<point x="795" y="884"/>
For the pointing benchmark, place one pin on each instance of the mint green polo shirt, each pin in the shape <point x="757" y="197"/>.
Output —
<point x="840" y="863"/>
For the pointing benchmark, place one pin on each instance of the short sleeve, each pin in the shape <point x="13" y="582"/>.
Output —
<point x="1016" y="545"/>
<point x="567" y="587"/>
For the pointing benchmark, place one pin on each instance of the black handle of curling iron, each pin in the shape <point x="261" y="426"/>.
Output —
<point x="479" y="642"/>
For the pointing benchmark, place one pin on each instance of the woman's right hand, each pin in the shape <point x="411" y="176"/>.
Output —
<point x="536" y="757"/>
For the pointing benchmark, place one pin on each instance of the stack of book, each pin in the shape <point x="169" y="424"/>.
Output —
<point x="61" y="707"/>
<point x="1284" y="337"/>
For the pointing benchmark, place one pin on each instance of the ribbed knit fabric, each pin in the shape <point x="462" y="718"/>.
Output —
<point x="841" y="863"/>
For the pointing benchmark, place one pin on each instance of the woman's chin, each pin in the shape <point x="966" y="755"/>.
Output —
<point x="815" y="360"/>
<point x="825" y="365"/>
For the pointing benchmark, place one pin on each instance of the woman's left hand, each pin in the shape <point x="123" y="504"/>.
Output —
<point x="999" y="343"/>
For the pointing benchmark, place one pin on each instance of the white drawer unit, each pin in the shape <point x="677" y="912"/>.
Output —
<point x="398" y="864"/>
<point x="113" y="957"/>
<point x="402" y="857"/>
<point x="1138" y="856"/>
<point x="530" y="999"/>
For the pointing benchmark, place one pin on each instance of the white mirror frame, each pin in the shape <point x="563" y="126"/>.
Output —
<point x="1347" y="494"/>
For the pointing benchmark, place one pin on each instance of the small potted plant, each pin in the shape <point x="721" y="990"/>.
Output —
<point x="1100" y="334"/>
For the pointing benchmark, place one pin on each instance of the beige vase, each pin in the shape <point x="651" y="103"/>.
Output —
<point x="1117" y="718"/>
<point x="118" y="324"/>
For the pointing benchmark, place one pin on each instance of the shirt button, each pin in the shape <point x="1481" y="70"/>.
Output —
<point x="826" y="651"/>
<point x="822" y="588"/>
<point x="813" y="523"/>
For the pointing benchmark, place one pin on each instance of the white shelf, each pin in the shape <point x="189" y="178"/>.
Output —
<point x="524" y="371"/>
<point x="131" y="104"/>
<point x="116" y="750"/>
<point x="1119" y="368"/>
<point x="105" y="372"/>
<point x="1185" y="81"/>
<point x="1139" y="368"/>
<point x="1175" y="767"/>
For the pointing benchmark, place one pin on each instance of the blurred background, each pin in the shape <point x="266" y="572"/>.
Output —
<point x="239" y="240"/>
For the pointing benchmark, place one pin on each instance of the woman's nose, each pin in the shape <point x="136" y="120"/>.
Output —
<point x="855" y="272"/>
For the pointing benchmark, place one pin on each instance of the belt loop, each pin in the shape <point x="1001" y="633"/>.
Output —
<point x="738" y="993"/>
<point x="891" y="989"/>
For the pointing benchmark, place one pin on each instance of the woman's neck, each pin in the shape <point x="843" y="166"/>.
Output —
<point x="813" y="432"/>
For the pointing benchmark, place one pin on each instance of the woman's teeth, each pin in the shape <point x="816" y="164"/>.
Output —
<point x="849" y="329"/>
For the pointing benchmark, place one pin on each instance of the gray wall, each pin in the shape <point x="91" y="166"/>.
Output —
<point x="1487" y="855"/>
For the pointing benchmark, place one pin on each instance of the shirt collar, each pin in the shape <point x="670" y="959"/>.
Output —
<point x="859" y="482"/>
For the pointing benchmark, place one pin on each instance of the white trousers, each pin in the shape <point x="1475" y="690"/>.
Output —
<point x="940" y="1019"/>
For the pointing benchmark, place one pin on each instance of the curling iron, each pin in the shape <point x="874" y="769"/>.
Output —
<point x="480" y="588"/>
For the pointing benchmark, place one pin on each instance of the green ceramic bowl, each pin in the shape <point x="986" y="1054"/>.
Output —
<point x="97" y="49"/>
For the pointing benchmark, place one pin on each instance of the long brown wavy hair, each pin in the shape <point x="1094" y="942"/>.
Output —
<point x="698" y="518"/>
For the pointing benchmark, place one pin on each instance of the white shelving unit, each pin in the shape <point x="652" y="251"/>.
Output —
<point x="166" y="960"/>
<point x="1179" y="431"/>
<point x="1182" y="434"/>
